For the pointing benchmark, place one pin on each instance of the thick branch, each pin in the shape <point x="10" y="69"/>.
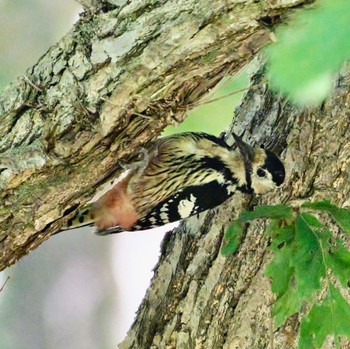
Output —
<point x="108" y="86"/>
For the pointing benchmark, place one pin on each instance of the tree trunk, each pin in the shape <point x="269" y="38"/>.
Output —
<point x="113" y="83"/>
<point x="110" y="85"/>
<point x="200" y="299"/>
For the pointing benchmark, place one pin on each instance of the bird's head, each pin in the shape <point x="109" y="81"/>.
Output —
<point x="265" y="170"/>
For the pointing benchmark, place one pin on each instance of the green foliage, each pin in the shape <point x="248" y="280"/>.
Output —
<point x="338" y="259"/>
<point x="332" y="316"/>
<point x="340" y="215"/>
<point x="233" y="235"/>
<point x="304" y="255"/>
<point x="310" y="50"/>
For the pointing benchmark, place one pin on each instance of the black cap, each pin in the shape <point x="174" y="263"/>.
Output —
<point x="275" y="166"/>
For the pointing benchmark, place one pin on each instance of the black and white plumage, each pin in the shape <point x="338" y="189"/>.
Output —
<point x="182" y="175"/>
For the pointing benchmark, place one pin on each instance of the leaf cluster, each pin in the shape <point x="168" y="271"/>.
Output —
<point x="310" y="51"/>
<point x="305" y="255"/>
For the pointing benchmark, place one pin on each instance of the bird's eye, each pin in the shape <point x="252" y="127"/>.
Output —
<point x="261" y="173"/>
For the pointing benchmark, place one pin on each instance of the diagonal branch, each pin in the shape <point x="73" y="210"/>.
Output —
<point x="111" y="84"/>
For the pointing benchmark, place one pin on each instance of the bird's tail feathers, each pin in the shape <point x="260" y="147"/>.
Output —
<point x="83" y="218"/>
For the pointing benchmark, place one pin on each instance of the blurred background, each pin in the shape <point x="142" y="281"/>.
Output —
<point x="78" y="290"/>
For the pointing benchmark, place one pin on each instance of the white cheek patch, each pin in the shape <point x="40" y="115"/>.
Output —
<point x="186" y="206"/>
<point x="262" y="185"/>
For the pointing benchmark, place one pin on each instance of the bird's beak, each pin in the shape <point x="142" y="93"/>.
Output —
<point x="246" y="150"/>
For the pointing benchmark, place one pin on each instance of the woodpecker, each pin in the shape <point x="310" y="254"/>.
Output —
<point x="179" y="176"/>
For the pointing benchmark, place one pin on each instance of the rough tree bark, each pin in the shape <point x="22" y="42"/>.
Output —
<point x="111" y="84"/>
<point x="200" y="299"/>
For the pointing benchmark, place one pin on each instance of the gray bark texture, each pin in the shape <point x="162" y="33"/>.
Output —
<point x="124" y="72"/>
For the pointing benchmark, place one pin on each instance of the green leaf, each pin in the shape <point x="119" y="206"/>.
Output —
<point x="234" y="233"/>
<point x="273" y="228"/>
<point x="233" y="237"/>
<point x="289" y="303"/>
<point x="268" y="211"/>
<point x="331" y="317"/>
<point x="339" y="262"/>
<point x="311" y="238"/>
<point x="298" y="265"/>
<point x="282" y="274"/>
<point x="280" y="236"/>
<point x="340" y="215"/>
<point x="319" y="205"/>
<point x="283" y="284"/>
<point x="310" y="50"/>
<point x="281" y="261"/>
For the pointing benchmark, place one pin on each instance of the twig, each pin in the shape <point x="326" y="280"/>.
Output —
<point x="2" y="287"/>
<point x="26" y="79"/>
